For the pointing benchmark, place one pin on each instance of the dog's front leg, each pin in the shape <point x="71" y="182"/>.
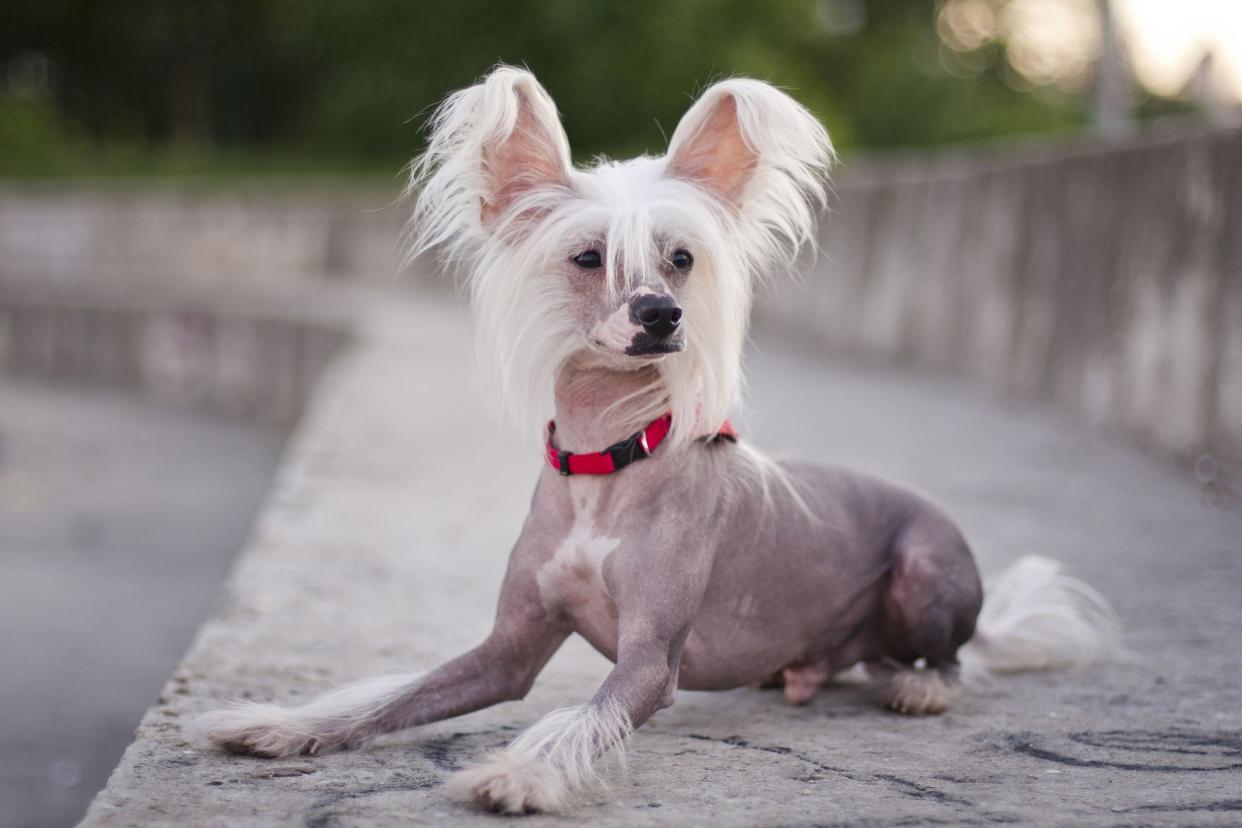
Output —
<point x="502" y="668"/>
<point x="656" y="598"/>
<point x="558" y="757"/>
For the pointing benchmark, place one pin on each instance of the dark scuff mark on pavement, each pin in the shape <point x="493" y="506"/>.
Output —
<point x="1161" y="745"/>
<point x="904" y="786"/>
<point x="918" y="791"/>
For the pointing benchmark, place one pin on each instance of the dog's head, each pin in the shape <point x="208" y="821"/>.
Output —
<point x="647" y="261"/>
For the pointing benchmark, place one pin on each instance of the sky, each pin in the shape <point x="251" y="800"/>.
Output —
<point x="1057" y="41"/>
<point x="1168" y="38"/>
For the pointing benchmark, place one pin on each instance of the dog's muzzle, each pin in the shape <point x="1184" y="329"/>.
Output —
<point x="660" y="318"/>
<point x="659" y="315"/>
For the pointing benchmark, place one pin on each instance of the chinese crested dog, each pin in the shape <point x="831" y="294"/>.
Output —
<point x="614" y="299"/>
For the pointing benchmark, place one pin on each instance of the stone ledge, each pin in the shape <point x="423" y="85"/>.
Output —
<point x="382" y="548"/>
<point x="250" y="364"/>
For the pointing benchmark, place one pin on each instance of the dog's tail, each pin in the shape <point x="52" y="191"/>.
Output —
<point x="1035" y="617"/>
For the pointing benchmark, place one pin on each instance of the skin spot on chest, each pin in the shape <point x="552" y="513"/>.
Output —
<point x="572" y="580"/>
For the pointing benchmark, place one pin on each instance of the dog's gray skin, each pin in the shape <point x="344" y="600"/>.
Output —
<point x="697" y="568"/>
<point x="745" y="591"/>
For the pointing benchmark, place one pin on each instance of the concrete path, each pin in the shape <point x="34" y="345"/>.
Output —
<point x="383" y="547"/>
<point x="118" y="520"/>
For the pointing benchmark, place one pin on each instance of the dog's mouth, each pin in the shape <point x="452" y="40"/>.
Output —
<point x="649" y="347"/>
<point x="643" y="348"/>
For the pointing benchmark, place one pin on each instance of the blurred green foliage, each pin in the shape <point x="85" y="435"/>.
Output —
<point x="287" y="85"/>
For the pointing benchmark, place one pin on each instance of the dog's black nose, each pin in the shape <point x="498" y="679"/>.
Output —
<point x="658" y="314"/>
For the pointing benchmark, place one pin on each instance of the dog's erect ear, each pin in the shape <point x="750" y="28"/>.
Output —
<point x="527" y="149"/>
<point x="709" y="148"/>
<point x="495" y="150"/>
<point x="758" y="150"/>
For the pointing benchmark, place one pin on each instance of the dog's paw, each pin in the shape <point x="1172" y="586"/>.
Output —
<point x="920" y="692"/>
<point x="263" y="730"/>
<point x="511" y="784"/>
<point x="802" y="683"/>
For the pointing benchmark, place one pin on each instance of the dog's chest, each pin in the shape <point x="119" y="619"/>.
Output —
<point x="571" y="581"/>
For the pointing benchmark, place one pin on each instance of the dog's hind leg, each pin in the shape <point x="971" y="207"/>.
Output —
<point x="929" y="610"/>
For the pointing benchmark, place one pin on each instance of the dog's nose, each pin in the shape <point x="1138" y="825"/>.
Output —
<point x="658" y="314"/>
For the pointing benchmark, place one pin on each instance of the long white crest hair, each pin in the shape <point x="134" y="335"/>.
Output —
<point x="496" y="191"/>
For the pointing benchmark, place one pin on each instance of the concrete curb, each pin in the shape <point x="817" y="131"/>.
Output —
<point x="381" y="550"/>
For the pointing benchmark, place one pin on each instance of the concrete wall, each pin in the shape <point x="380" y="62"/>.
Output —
<point x="254" y="365"/>
<point x="228" y="300"/>
<point x="1107" y="280"/>
<point x="186" y="241"/>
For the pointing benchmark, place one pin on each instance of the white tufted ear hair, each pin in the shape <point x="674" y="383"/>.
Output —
<point x="760" y="153"/>
<point x="496" y="156"/>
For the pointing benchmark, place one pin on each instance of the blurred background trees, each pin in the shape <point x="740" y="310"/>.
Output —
<point x="150" y="86"/>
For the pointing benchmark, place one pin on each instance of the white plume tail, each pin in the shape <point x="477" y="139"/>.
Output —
<point x="1035" y="617"/>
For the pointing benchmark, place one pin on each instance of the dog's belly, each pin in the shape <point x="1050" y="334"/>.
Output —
<point x="733" y="643"/>
<point x="783" y="591"/>
<point x="790" y="592"/>
<point x="728" y="650"/>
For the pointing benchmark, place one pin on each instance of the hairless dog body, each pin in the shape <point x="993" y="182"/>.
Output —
<point x="614" y="296"/>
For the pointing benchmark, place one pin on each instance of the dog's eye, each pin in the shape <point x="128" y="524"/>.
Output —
<point x="588" y="260"/>
<point x="682" y="260"/>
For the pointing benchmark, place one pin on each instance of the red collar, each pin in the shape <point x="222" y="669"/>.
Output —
<point x="638" y="446"/>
